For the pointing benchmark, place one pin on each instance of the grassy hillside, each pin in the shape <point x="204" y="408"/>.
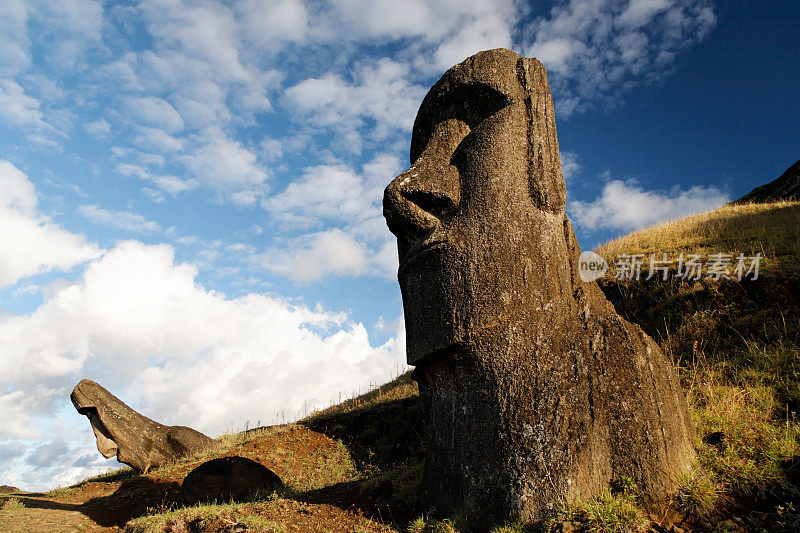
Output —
<point x="357" y="466"/>
<point x="738" y="347"/>
<point x="353" y="467"/>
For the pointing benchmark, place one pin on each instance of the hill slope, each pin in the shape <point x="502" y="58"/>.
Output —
<point x="738" y="345"/>
<point x="357" y="466"/>
<point x="785" y="187"/>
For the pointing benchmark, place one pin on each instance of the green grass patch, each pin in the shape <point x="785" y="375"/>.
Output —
<point x="202" y="517"/>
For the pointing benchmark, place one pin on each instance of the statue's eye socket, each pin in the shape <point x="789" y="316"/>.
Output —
<point x="470" y="104"/>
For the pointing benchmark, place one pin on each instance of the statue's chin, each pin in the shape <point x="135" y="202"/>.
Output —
<point x="105" y="444"/>
<point x="107" y="447"/>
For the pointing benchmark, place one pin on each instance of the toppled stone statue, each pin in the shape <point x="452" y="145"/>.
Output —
<point x="135" y="439"/>
<point x="535" y="390"/>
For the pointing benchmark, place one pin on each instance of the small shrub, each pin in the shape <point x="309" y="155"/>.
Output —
<point x="513" y="526"/>
<point x="698" y="495"/>
<point x="11" y="505"/>
<point x="423" y="524"/>
<point x="417" y="525"/>
<point x="614" y="512"/>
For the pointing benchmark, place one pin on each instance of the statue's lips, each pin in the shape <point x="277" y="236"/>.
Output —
<point x="415" y="253"/>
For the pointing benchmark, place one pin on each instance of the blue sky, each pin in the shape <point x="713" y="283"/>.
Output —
<point x="191" y="190"/>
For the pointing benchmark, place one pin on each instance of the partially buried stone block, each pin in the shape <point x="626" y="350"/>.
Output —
<point x="228" y="479"/>
<point x="535" y="390"/>
<point x="133" y="438"/>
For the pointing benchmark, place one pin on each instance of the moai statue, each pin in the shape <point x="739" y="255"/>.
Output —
<point x="133" y="438"/>
<point x="535" y="391"/>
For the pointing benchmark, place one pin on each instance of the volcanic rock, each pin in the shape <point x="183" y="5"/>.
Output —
<point x="136" y="440"/>
<point x="228" y="479"/>
<point x="535" y="391"/>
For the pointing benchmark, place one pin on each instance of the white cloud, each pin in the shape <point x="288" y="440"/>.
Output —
<point x="70" y="28"/>
<point x="31" y="243"/>
<point x="154" y="112"/>
<point x="625" y="205"/>
<point x="592" y="48"/>
<point x="31" y="288"/>
<point x="189" y="94"/>
<point x="556" y="52"/>
<point x="226" y="165"/>
<point x="485" y="32"/>
<point x="323" y="192"/>
<point x="385" y="260"/>
<point x="203" y="30"/>
<point x="448" y="31"/>
<point x="271" y="149"/>
<point x="337" y="195"/>
<point x="65" y="28"/>
<point x="18" y="108"/>
<point x="14" y="41"/>
<point x="123" y="220"/>
<point x="569" y="165"/>
<point x="206" y="39"/>
<point x="165" y="182"/>
<point x="139" y="324"/>
<point x="640" y="12"/>
<point x="317" y="255"/>
<point x="157" y="140"/>
<point x="382" y="93"/>
<point x="47" y="454"/>
<point x="268" y="22"/>
<point x="98" y="128"/>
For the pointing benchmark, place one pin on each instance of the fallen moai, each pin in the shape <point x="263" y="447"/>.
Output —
<point x="136" y="440"/>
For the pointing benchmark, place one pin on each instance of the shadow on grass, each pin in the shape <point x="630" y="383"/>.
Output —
<point x="135" y="497"/>
<point x="389" y="497"/>
<point x="132" y="499"/>
<point x="379" y="434"/>
<point x="386" y="440"/>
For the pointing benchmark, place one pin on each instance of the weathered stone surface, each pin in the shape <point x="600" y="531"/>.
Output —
<point x="134" y="439"/>
<point x="228" y="479"/>
<point x="535" y="391"/>
<point x="784" y="187"/>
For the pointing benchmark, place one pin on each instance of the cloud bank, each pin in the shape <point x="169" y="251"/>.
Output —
<point x="625" y="205"/>
<point x="30" y="243"/>
<point x="139" y="323"/>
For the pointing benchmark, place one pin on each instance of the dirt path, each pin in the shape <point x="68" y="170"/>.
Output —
<point x="36" y="512"/>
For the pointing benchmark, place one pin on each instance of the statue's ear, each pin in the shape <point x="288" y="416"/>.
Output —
<point x="545" y="178"/>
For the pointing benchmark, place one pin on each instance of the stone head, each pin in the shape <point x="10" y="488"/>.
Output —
<point x="132" y="437"/>
<point x="119" y="430"/>
<point x="90" y="400"/>
<point x="479" y="215"/>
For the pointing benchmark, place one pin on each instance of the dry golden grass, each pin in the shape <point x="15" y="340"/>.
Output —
<point x="770" y="229"/>
<point x="738" y="346"/>
<point x="399" y="388"/>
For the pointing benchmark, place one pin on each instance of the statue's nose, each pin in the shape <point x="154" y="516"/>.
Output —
<point x="417" y="200"/>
